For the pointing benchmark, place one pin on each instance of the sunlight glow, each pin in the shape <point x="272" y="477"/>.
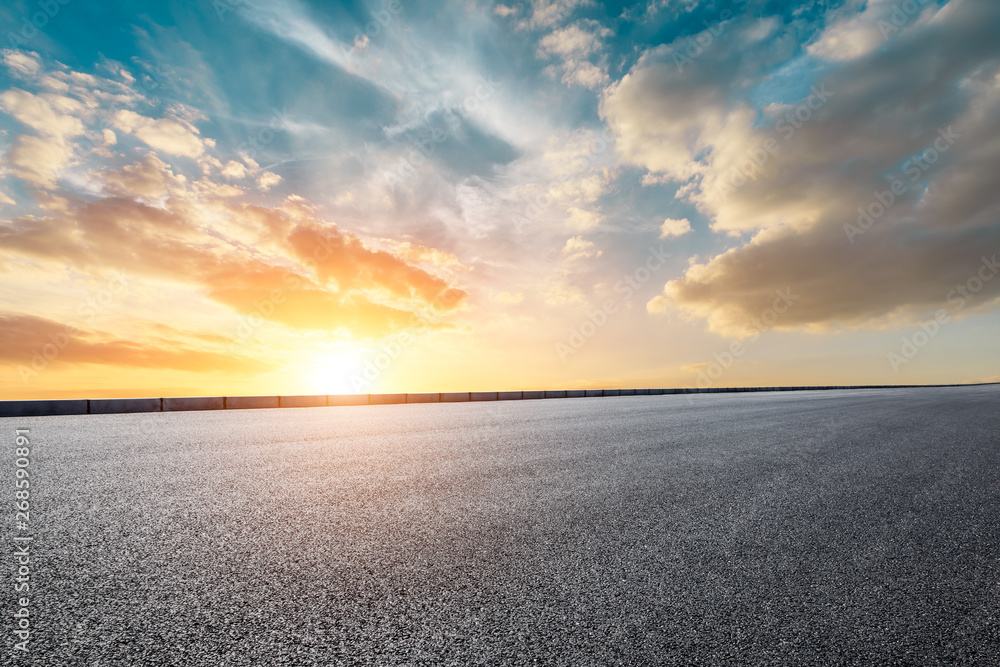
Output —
<point x="333" y="371"/>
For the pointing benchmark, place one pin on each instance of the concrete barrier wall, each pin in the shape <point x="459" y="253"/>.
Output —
<point x="347" y="399"/>
<point x="42" y="408"/>
<point x="113" y="406"/>
<point x="386" y="399"/>
<point x="184" y="403"/>
<point x="302" y="401"/>
<point x="251" y="402"/>
<point x="39" y="408"/>
<point x="423" y="398"/>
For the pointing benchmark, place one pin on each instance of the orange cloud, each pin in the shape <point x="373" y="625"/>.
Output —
<point x="129" y="201"/>
<point x="344" y="259"/>
<point x="35" y="343"/>
<point x="313" y="275"/>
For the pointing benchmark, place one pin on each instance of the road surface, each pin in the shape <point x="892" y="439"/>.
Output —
<point x="834" y="527"/>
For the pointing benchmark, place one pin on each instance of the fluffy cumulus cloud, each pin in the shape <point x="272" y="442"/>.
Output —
<point x="268" y="180"/>
<point x="580" y="248"/>
<point x="48" y="114"/>
<point x="547" y="13"/>
<point x="148" y="178"/>
<point x="672" y="227"/>
<point x="38" y="160"/>
<point x="670" y="109"/>
<point x="863" y="189"/>
<point x="582" y="220"/>
<point x="573" y="47"/>
<point x="120" y="201"/>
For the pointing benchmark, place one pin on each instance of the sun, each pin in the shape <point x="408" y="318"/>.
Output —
<point x="337" y="372"/>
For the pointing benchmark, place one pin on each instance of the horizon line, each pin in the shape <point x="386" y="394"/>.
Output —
<point x="81" y="406"/>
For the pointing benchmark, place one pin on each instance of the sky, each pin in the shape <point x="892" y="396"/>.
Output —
<point x="292" y="197"/>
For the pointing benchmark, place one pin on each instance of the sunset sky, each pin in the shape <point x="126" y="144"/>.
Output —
<point x="285" y="197"/>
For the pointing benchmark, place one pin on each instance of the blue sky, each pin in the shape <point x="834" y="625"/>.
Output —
<point x="529" y="158"/>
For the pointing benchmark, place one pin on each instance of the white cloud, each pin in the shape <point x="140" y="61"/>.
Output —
<point x="847" y="40"/>
<point x="580" y="190"/>
<point x="813" y="192"/>
<point x="39" y="161"/>
<point x="662" y="117"/>
<point x="150" y="178"/>
<point x="580" y="248"/>
<point x="672" y="227"/>
<point x="267" y="180"/>
<point x="249" y="162"/>
<point x="48" y="114"/>
<point x="572" y="45"/>
<point x="581" y="220"/>
<point x="24" y="63"/>
<point x="234" y="169"/>
<point x="163" y="134"/>
<point x="547" y="13"/>
<point x="573" y="40"/>
<point x="586" y="74"/>
<point x="854" y="36"/>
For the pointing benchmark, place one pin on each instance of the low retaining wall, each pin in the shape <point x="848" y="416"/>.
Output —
<point x="348" y="399"/>
<point x="103" y="406"/>
<point x="423" y="398"/>
<point x="302" y="401"/>
<point x="112" y="406"/>
<point x="194" y="403"/>
<point x="42" y="408"/>
<point x="386" y="399"/>
<point x="251" y="402"/>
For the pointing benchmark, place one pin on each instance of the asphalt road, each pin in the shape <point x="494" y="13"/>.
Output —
<point x="835" y="527"/>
